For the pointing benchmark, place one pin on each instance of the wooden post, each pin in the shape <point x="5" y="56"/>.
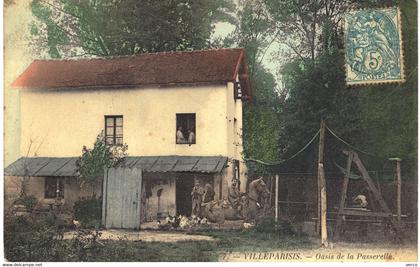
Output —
<point x="277" y="199"/>
<point x="343" y="198"/>
<point x="322" y="193"/>
<point x="399" y="192"/>
<point x="398" y="160"/>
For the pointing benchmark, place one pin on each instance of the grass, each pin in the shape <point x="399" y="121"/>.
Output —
<point x="196" y="251"/>
<point x="29" y="239"/>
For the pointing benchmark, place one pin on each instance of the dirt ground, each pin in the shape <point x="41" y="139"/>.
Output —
<point x="336" y="252"/>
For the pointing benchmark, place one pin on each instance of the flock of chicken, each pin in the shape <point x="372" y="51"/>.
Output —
<point x="181" y="221"/>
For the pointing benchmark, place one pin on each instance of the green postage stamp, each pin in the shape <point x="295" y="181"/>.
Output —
<point x="373" y="46"/>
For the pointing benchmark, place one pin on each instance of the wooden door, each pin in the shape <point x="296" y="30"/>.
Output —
<point x="122" y="198"/>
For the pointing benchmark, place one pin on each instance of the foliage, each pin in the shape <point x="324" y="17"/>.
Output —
<point x="108" y="27"/>
<point x="300" y="24"/>
<point x="280" y="228"/>
<point x="28" y="201"/>
<point x="262" y="121"/>
<point x="88" y="212"/>
<point x="27" y="239"/>
<point x="40" y="239"/>
<point x="390" y="111"/>
<point x="318" y="91"/>
<point x="93" y="161"/>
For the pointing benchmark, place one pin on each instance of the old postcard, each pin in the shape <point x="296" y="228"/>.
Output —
<point x="210" y="131"/>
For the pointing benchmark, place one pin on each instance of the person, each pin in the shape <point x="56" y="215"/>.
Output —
<point x="197" y="198"/>
<point x="208" y="194"/>
<point x="191" y="137"/>
<point x="234" y="193"/>
<point x="180" y="136"/>
<point x="361" y="201"/>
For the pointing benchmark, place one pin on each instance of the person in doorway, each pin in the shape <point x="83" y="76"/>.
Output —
<point x="180" y="136"/>
<point x="208" y="194"/>
<point x="191" y="137"/>
<point x="197" y="198"/>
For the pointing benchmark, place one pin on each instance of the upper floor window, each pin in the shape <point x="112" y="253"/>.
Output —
<point x="114" y="130"/>
<point x="185" y="128"/>
<point x="54" y="187"/>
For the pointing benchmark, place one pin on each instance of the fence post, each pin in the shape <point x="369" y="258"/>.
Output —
<point x="322" y="187"/>
<point x="277" y="199"/>
<point x="398" y="160"/>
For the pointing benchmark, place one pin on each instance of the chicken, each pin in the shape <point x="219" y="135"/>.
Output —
<point x="165" y="225"/>
<point x="76" y="223"/>
<point x="247" y="225"/>
<point x="184" y="222"/>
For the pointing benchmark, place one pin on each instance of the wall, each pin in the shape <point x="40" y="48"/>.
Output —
<point x="35" y="187"/>
<point x="234" y="128"/>
<point x="60" y="122"/>
<point x="149" y="208"/>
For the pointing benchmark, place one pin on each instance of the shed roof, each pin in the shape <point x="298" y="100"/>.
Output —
<point x="66" y="166"/>
<point x="165" y="68"/>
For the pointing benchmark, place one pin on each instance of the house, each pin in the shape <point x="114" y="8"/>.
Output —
<point x="146" y="101"/>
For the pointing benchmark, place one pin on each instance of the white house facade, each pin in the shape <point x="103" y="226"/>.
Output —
<point x="180" y="113"/>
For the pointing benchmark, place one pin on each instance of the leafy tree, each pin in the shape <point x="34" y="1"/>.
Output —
<point x="390" y="111"/>
<point x="380" y="119"/>
<point x="112" y="27"/>
<point x="263" y="121"/>
<point x="300" y="24"/>
<point x="93" y="161"/>
<point x="262" y="126"/>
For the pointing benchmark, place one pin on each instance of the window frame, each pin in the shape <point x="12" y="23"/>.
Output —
<point x="194" y="118"/>
<point x="114" y="135"/>
<point x="56" y="180"/>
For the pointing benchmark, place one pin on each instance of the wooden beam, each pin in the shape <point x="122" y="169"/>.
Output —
<point x="399" y="192"/>
<point x="324" y="232"/>
<point x="376" y="194"/>
<point x="277" y="199"/>
<point x="322" y="188"/>
<point x="343" y="197"/>
<point x="364" y="213"/>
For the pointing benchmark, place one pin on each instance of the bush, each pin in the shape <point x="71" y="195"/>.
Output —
<point x="270" y="226"/>
<point x="29" y="201"/>
<point x="39" y="239"/>
<point x="29" y="239"/>
<point x="88" y="212"/>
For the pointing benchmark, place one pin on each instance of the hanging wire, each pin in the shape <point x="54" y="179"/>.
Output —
<point x="283" y="161"/>
<point x="350" y="145"/>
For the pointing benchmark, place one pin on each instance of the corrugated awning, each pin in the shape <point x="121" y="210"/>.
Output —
<point x="53" y="166"/>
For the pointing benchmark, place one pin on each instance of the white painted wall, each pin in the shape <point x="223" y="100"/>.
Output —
<point x="60" y="122"/>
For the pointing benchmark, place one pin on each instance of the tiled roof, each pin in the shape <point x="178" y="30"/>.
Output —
<point x="66" y="166"/>
<point x="165" y="68"/>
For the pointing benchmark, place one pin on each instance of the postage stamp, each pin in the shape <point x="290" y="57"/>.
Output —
<point x="373" y="46"/>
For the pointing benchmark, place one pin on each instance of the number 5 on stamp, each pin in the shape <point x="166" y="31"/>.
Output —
<point x="373" y="46"/>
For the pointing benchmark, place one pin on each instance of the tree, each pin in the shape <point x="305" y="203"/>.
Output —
<point x="92" y="163"/>
<point x="304" y="26"/>
<point x="390" y="110"/>
<point x="262" y="121"/>
<point x="379" y="119"/>
<point x="114" y="27"/>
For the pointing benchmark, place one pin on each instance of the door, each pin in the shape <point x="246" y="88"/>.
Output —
<point x="121" y="198"/>
<point x="183" y="188"/>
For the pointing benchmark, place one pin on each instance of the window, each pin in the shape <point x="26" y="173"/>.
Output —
<point x="114" y="130"/>
<point x="54" y="187"/>
<point x="237" y="91"/>
<point x="185" y="128"/>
